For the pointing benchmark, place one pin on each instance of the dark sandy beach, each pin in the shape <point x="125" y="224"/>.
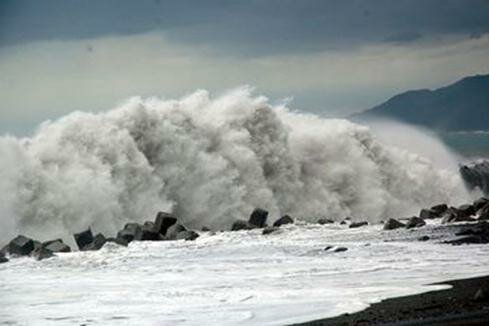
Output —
<point x="465" y="303"/>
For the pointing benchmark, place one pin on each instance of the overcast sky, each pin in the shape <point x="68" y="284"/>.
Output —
<point x="331" y="57"/>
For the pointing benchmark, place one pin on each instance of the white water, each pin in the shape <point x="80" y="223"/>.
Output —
<point x="230" y="278"/>
<point x="209" y="161"/>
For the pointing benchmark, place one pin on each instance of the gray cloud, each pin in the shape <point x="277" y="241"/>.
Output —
<point x="403" y="37"/>
<point x="333" y="57"/>
<point x="245" y="27"/>
<point x="45" y="80"/>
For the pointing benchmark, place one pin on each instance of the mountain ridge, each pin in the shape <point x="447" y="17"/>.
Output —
<point x="460" y="106"/>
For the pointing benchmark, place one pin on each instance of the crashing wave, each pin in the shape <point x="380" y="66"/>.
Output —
<point x="209" y="161"/>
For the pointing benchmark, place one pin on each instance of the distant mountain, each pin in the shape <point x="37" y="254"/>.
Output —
<point x="463" y="105"/>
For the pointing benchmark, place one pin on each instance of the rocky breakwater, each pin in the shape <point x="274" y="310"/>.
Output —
<point x="476" y="175"/>
<point x="165" y="227"/>
<point x="464" y="224"/>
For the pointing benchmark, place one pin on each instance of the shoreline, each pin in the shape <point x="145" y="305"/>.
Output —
<point x="465" y="303"/>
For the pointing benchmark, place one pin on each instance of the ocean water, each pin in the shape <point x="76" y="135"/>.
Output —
<point x="230" y="278"/>
<point x="471" y="145"/>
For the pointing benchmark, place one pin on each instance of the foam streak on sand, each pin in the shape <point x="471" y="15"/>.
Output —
<point x="210" y="161"/>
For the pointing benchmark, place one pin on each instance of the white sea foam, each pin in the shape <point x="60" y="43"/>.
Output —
<point x="231" y="278"/>
<point x="209" y="160"/>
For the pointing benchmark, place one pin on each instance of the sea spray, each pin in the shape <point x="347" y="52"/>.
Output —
<point x="209" y="161"/>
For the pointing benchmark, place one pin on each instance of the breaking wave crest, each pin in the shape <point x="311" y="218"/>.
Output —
<point x="209" y="161"/>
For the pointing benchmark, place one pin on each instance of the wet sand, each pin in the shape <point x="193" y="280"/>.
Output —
<point x="465" y="303"/>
